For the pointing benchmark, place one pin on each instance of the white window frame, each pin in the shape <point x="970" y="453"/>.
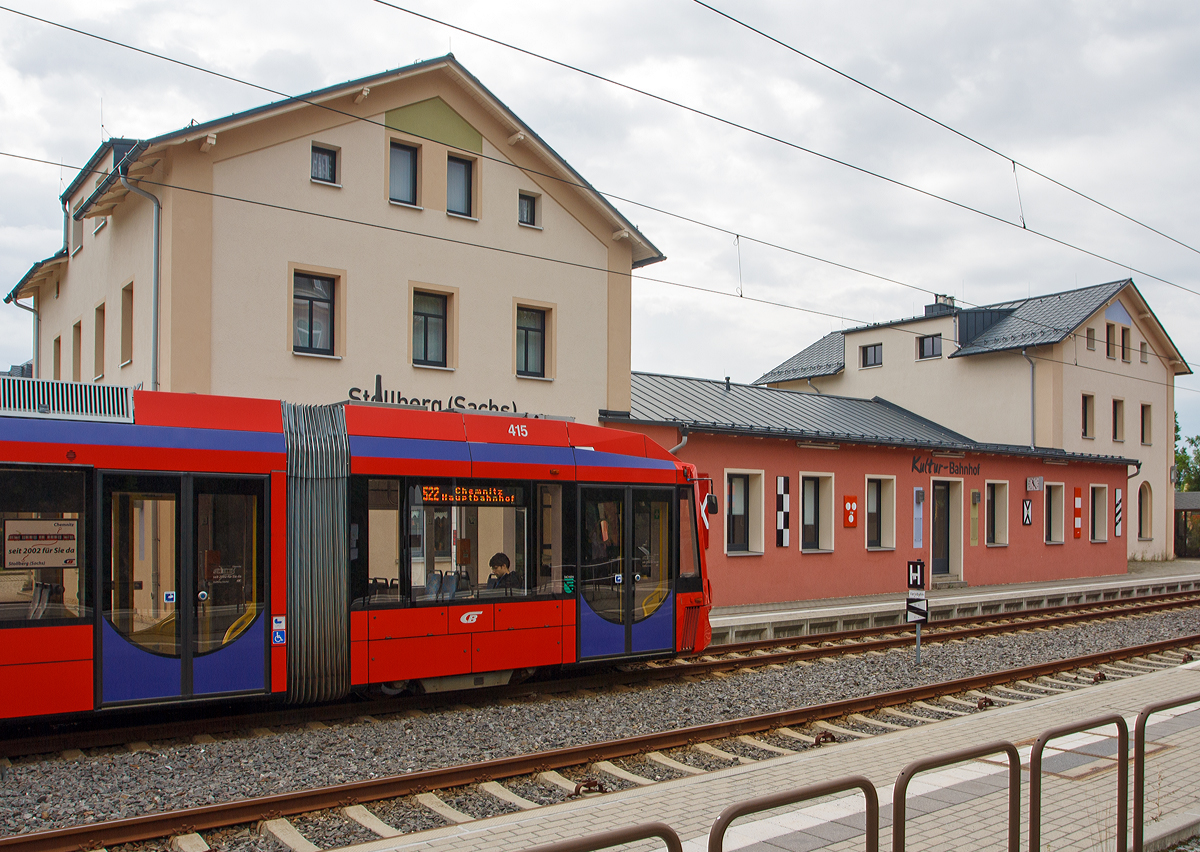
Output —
<point x="887" y="511"/>
<point x="825" y="509"/>
<point x="1098" y="521"/>
<point x="1001" y="501"/>
<point x="755" y="536"/>
<point x="1055" y="522"/>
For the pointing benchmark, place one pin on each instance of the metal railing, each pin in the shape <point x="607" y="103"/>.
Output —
<point x="617" y="837"/>
<point x="716" y="835"/>
<point x="1035" y="776"/>
<point x="51" y="400"/>
<point x="900" y="791"/>
<point x="1139" y="761"/>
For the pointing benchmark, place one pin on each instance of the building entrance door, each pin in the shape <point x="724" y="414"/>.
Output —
<point x="941" y="528"/>
<point x="627" y="570"/>
<point x="183" y="588"/>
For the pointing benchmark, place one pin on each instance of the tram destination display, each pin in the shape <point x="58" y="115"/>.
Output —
<point x="30" y="543"/>
<point x="444" y="494"/>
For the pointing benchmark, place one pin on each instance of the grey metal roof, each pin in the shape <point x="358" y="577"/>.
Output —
<point x="706" y="405"/>
<point x="1189" y="500"/>
<point x="826" y="357"/>
<point x="1042" y="320"/>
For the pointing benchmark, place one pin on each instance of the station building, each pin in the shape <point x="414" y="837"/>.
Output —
<point x="400" y="238"/>
<point x="829" y="496"/>
<point x="1089" y="371"/>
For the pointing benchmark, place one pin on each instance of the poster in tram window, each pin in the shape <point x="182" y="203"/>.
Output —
<point x="40" y="544"/>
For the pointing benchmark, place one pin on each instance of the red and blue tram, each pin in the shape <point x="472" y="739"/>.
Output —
<point x="217" y="547"/>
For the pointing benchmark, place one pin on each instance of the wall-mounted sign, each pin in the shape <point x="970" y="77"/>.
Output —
<point x="1026" y="513"/>
<point x="32" y="543"/>
<point x="850" y="510"/>
<point x="943" y="468"/>
<point x="1034" y="483"/>
<point x="451" y="403"/>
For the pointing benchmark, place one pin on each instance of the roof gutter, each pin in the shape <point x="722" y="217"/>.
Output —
<point x="1136" y="472"/>
<point x="155" y="276"/>
<point x="683" y="438"/>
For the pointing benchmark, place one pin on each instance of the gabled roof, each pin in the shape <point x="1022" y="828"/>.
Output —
<point x="1042" y="320"/>
<point x="644" y="252"/>
<point x="37" y="273"/>
<point x="1000" y="327"/>
<point x="715" y="407"/>
<point x="826" y="357"/>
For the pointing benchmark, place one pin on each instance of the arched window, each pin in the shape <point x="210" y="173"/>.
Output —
<point x="1145" y="511"/>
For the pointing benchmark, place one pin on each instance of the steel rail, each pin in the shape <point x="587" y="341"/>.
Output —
<point x="830" y="644"/>
<point x="1015" y="616"/>
<point x="149" y="826"/>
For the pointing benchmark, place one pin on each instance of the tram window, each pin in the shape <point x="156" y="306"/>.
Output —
<point x="468" y="540"/>
<point x="43" y="575"/>
<point x="230" y="564"/>
<point x="380" y="544"/>
<point x="689" y="551"/>
<point x="554" y="557"/>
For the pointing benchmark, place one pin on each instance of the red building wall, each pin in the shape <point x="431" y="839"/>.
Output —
<point x="788" y="574"/>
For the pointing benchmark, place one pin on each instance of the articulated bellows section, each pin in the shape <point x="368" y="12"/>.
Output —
<point x="318" y="467"/>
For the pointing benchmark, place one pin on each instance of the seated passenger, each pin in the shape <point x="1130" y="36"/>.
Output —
<point x="502" y="573"/>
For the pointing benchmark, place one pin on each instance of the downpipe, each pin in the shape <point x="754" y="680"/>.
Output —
<point x="154" y="278"/>
<point x="1032" y="410"/>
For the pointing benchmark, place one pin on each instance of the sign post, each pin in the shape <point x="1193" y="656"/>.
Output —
<point x="916" y="608"/>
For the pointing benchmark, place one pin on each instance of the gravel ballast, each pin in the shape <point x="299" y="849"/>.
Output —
<point x="43" y="793"/>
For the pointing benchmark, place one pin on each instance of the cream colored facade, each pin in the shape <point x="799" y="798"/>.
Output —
<point x="987" y="397"/>
<point x="243" y="214"/>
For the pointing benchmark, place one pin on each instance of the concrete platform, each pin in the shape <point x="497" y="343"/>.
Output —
<point x="963" y="806"/>
<point x="805" y="618"/>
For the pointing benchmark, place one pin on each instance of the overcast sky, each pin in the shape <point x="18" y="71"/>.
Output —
<point x="1102" y="96"/>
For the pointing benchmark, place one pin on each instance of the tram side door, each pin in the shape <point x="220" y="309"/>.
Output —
<point x="183" y="581"/>
<point x="627" y="569"/>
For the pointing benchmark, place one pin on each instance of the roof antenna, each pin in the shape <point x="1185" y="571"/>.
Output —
<point x="102" y="119"/>
<point x="1020" y="203"/>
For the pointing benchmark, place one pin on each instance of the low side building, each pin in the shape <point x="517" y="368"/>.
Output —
<point x="825" y="496"/>
<point x="1090" y="370"/>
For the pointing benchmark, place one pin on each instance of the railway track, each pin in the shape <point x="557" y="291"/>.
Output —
<point x="801" y="727"/>
<point x="17" y="741"/>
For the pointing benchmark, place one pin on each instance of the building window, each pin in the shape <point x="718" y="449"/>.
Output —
<point x="996" y="513"/>
<point x="402" y="175"/>
<point x="738" y="521"/>
<point x="872" y="355"/>
<point x="56" y="359"/>
<point x="1125" y="345"/>
<point x="1118" y="420"/>
<point x="816" y="511"/>
<point x="429" y="329"/>
<point x="929" y="346"/>
<point x="76" y="351"/>
<point x="1089" y="415"/>
<point x="531" y="342"/>
<point x="1091" y="338"/>
<point x="1145" y="352"/>
<point x="1054" y="514"/>
<point x="312" y="314"/>
<point x="1145" y="513"/>
<point x="126" y="324"/>
<point x="527" y="209"/>
<point x="1099" y="525"/>
<point x="1110" y="340"/>
<point x="324" y="164"/>
<point x="76" y="236"/>
<point x="1146" y="425"/>
<point x="98" y="359"/>
<point x="874" y="525"/>
<point x="458" y="186"/>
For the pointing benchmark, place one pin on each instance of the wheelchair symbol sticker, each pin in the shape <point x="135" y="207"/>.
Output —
<point x="168" y="597"/>
<point x="278" y="637"/>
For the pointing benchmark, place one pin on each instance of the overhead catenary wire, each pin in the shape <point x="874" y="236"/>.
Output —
<point x="532" y="256"/>
<point x="944" y="126"/>
<point x="585" y="186"/>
